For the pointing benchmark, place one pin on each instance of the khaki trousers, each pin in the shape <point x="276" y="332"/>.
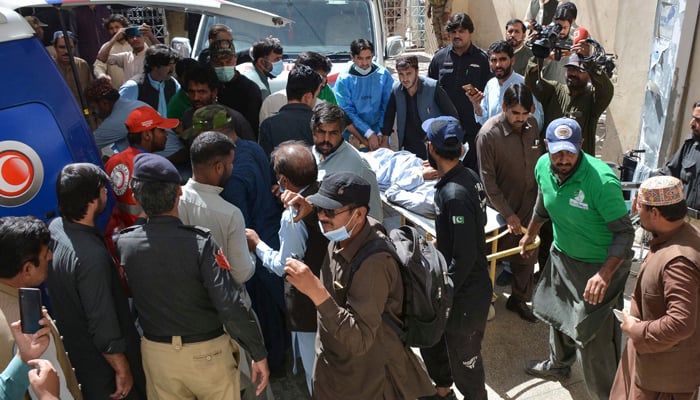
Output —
<point x="203" y="371"/>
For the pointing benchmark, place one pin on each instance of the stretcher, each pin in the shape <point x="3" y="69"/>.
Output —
<point x="494" y="229"/>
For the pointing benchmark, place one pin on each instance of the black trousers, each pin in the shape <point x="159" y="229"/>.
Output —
<point x="457" y="356"/>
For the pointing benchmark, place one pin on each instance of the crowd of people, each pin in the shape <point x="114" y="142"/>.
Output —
<point x="239" y="213"/>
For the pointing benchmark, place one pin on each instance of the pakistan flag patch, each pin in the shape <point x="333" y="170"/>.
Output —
<point x="458" y="219"/>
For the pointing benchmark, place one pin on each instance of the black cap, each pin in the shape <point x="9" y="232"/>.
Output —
<point x="341" y="189"/>
<point x="154" y="168"/>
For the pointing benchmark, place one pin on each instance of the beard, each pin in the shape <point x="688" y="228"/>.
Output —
<point x="432" y="162"/>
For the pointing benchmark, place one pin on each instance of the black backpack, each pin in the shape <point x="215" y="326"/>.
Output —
<point x="428" y="289"/>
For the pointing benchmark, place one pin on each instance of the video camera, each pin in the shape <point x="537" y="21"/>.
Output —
<point x="548" y="39"/>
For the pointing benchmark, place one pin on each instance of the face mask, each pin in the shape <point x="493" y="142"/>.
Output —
<point x="225" y="74"/>
<point x="277" y="68"/>
<point x="363" y="71"/>
<point x="337" y="235"/>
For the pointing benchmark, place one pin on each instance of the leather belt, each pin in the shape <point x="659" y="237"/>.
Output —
<point x="202" y="337"/>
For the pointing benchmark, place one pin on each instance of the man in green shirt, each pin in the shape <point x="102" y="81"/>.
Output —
<point x="589" y="260"/>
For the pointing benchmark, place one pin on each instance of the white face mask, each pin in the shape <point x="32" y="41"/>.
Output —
<point x="225" y="74"/>
<point x="363" y="71"/>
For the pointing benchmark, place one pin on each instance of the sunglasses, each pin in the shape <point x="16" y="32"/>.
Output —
<point x="331" y="213"/>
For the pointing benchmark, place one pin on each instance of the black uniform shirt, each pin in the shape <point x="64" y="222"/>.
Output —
<point x="181" y="286"/>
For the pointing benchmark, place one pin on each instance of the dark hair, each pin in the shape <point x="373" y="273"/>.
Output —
<point x="210" y="146"/>
<point x="294" y="159"/>
<point x="265" y="47"/>
<point x="460" y="20"/>
<point x="156" y="198"/>
<point x="404" y="62"/>
<point x="328" y="113"/>
<point x="451" y="149"/>
<point x="566" y="11"/>
<point x="696" y="105"/>
<point x="21" y="240"/>
<point x="184" y="65"/>
<point x="134" y="139"/>
<point x="671" y="212"/>
<point x="360" y="44"/>
<point x="117" y="18"/>
<point x="316" y="61"/>
<point x="501" y="46"/>
<point x="518" y="93"/>
<point x="515" y="21"/>
<point x="218" y="28"/>
<point x="302" y="80"/>
<point x="158" y="55"/>
<point x="99" y="89"/>
<point x="77" y="185"/>
<point x="202" y="73"/>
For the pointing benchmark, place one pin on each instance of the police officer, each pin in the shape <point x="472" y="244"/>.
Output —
<point x="184" y="291"/>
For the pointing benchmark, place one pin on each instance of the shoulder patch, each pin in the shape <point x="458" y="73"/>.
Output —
<point x="457" y="219"/>
<point x="221" y="260"/>
<point x="198" y="229"/>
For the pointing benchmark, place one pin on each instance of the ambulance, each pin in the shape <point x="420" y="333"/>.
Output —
<point x="42" y="128"/>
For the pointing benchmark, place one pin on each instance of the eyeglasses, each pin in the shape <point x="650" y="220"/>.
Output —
<point x="331" y="213"/>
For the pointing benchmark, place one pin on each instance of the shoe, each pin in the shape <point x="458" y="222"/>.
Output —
<point x="449" y="396"/>
<point x="521" y="309"/>
<point x="492" y="312"/>
<point x="504" y="278"/>
<point x="543" y="369"/>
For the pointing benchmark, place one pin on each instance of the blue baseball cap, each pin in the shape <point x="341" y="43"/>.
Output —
<point x="442" y="128"/>
<point x="563" y="134"/>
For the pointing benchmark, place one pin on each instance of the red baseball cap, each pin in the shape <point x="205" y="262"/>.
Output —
<point x="146" y="118"/>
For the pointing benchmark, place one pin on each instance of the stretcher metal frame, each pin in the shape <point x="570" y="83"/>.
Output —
<point x="494" y="231"/>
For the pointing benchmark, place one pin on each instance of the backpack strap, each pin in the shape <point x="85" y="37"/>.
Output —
<point x="373" y="247"/>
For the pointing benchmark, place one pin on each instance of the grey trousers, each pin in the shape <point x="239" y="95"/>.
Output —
<point x="599" y="357"/>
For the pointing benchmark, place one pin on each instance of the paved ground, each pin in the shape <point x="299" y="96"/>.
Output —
<point x="508" y="345"/>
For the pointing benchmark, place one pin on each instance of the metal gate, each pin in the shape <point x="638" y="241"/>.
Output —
<point x="406" y="18"/>
<point x="154" y="17"/>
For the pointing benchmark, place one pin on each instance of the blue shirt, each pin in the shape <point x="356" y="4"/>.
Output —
<point x="14" y="380"/>
<point x="292" y="238"/>
<point x="248" y="188"/>
<point x="112" y="129"/>
<point x="365" y="97"/>
<point x="492" y="102"/>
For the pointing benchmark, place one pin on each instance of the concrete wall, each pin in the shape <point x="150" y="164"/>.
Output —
<point x="622" y="27"/>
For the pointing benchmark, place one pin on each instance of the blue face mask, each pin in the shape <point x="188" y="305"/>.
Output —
<point x="337" y="235"/>
<point x="225" y="74"/>
<point x="277" y="68"/>
<point x="280" y="187"/>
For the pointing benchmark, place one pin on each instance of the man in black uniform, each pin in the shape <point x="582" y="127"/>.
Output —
<point x="184" y="292"/>
<point x="460" y="208"/>
<point x="91" y="308"/>
<point x="685" y="165"/>
<point x="456" y="66"/>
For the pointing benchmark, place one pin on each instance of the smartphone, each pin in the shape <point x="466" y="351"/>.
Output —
<point x="30" y="309"/>
<point x="132" y="31"/>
